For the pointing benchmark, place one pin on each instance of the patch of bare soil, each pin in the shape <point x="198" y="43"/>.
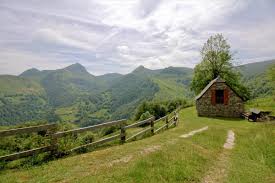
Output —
<point x="150" y="149"/>
<point x="194" y="132"/>
<point x="126" y="159"/>
<point x="230" y="140"/>
<point x="218" y="172"/>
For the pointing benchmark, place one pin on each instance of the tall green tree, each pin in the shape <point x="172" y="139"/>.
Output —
<point x="217" y="60"/>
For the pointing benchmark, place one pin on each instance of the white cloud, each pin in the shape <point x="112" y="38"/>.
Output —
<point x="120" y="35"/>
<point x="55" y="37"/>
<point x="15" y="62"/>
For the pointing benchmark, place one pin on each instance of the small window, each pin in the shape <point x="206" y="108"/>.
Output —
<point x="219" y="96"/>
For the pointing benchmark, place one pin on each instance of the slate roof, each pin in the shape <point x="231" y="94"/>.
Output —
<point x="216" y="80"/>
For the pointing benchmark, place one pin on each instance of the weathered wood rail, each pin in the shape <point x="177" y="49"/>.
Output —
<point x="31" y="129"/>
<point x="89" y="128"/>
<point x="49" y="130"/>
<point x="51" y="133"/>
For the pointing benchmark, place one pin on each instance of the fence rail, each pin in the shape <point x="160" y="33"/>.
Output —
<point x="23" y="154"/>
<point x="161" y="119"/>
<point x="139" y="133"/>
<point x="54" y="136"/>
<point x="139" y="123"/>
<point x="30" y="129"/>
<point x="89" y="128"/>
<point x="101" y="141"/>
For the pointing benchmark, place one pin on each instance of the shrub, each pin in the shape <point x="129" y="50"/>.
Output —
<point x="145" y="116"/>
<point x="87" y="138"/>
<point x="159" y="109"/>
<point x="109" y="130"/>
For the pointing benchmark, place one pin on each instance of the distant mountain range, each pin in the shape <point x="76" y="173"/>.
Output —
<point x="75" y="95"/>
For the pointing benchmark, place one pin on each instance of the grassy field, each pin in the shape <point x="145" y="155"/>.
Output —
<point x="166" y="157"/>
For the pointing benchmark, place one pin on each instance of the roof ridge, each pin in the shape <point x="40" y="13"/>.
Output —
<point x="217" y="79"/>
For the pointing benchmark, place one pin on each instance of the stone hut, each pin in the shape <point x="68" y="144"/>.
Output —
<point x="218" y="99"/>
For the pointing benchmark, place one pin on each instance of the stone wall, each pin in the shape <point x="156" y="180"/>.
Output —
<point x="234" y="107"/>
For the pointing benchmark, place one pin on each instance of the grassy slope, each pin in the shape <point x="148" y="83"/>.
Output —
<point x="169" y="89"/>
<point x="266" y="103"/>
<point x="15" y="85"/>
<point x="173" y="83"/>
<point x="178" y="160"/>
<point x="258" y="68"/>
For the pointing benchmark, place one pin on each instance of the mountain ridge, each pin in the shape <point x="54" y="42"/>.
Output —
<point x="139" y="68"/>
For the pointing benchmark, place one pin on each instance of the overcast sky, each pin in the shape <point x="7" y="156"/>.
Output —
<point x="118" y="35"/>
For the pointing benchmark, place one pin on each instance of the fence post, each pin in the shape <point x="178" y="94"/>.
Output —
<point x="122" y="133"/>
<point x="167" y="122"/>
<point x="152" y="125"/>
<point x="176" y="118"/>
<point x="53" y="140"/>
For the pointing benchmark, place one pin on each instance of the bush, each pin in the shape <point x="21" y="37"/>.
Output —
<point x="66" y="143"/>
<point x="159" y="109"/>
<point x="87" y="138"/>
<point x="145" y="116"/>
<point x="109" y="130"/>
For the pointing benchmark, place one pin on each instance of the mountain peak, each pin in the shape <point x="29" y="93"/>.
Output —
<point x="30" y="72"/>
<point x="141" y="68"/>
<point x="77" y="67"/>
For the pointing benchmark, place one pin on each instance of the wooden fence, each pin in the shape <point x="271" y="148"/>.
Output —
<point x="51" y="132"/>
<point x="48" y="128"/>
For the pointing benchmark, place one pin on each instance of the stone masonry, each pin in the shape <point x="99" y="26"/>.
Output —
<point x="233" y="108"/>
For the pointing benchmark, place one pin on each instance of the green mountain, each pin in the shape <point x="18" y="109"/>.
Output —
<point x="124" y="93"/>
<point x="173" y="83"/>
<point x="22" y="100"/>
<point x="75" y="95"/>
<point x="255" y="78"/>
<point x="255" y="69"/>
<point x="18" y="85"/>
<point x="127" y="92"/>
<point x="64" y="86"/>
<point x="109" y="78"/>
<point x="91" y="99"/>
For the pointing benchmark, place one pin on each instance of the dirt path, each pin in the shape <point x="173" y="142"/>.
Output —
<point x="229" y="144"/>
<point x="143" y="152"/>
<point x="194" y="132"/>
<point x="218" y="172"/>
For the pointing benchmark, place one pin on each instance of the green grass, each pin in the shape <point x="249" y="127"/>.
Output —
<point x="266" y="103"/>
<point x="175" y="160"/>
<point x="253" y="159"/>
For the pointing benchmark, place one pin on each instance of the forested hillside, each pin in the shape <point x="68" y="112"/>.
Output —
<point x="22" y="100"/>
<point x="255" y="76"/>
<point x="74" y="95"/>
